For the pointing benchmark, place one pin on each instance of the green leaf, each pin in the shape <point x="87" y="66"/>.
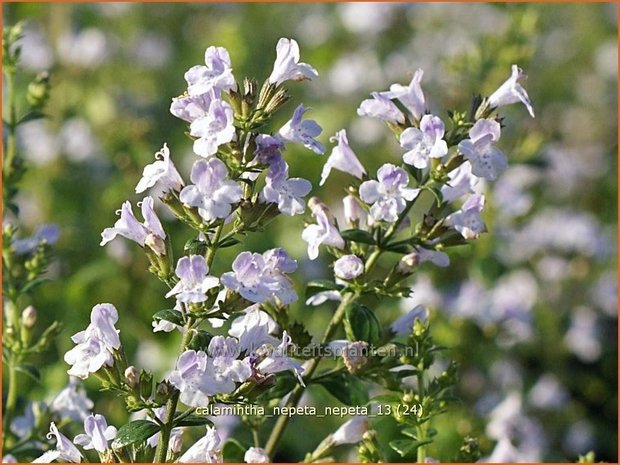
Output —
<point x="386" y="399"/>
<point x="398" y="248"/>
<point x="358" y="235"/>
<point x="228" y="242"/>
<point x="30" y="116"/>
<point x="29" y="370"/>
<point x="32" y="284"/>
<point x="348" y="389"/>
<point x="233" y="451"/>
<point x="200" y="340"/>
<point x="134" y="432"/>
<point x="319" y="285"/>
<point x="194" y="420"/>
<point x="173" y="316"/>
<point x="361" y="324"/>
<point x="407" y="447"/>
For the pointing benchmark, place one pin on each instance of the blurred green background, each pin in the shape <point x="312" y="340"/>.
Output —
<point x="535" y="299"/>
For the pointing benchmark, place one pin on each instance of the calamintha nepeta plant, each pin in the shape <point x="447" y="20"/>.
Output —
<point x="238" y="184"/>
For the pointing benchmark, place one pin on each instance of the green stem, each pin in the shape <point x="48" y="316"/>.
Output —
<point x="421" y="428"/>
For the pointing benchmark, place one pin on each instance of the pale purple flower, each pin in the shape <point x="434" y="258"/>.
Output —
<point x="287" y="66"/>
<point x="434" y="256"/>
<point x="342" y="158"/>
<point x="258" y="278"/>
<point x="486" y="160"/>
<point x="194" y="280"/>
<point x="213" y="129"/>
<point x="65" y="450"/>
<point x="97" y="433"/>
<point x="354" y="214"/>
<point x="348" y="267"/>
<point x="461" y="182"/>
<point x="212" y="193"/>
<point x="350" y="432"/>
<point x="302" y="131"/>
<point x="215" y="76"/>
<point x="47" y="234"/>
<point x="22" y="425"/>
<point x="268" y="150"/>
<point x="410" y="96"/>
<point x="96" y="344"/>
<point x="424" y="143"/>
<point x="253" y="329"/>
<point x="176" y="440"/>
<point x="284" y="191"/>
<point x="191" y="107"/>
<point x="72" y="402"/>
<point x="223" y="353"/>
<point x="324" y="232"/>
<point x="512" y="92"/>
<point x="389" y="194"/>
<point x="256" y="455"/>
<point x="208" y="449"/>
<point x="403" y="325"/>
<point x="10" y="458"/>
<point x="129" y="227"/>
<point x="382" y="108"/>
<point x="467" y="220"/>
<point x="162" y="171"/>
<point x="278" y="360"/>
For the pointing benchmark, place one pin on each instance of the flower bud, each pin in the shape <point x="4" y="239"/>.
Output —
<point x="132" y="375"/>
<point x="156" y="244"/>
<point x="350" y="432"/>
<point x="408" y="264"/>
<point x="176" y="443"/>
<point x="348" y="267"/>
<point x="316" y="206"/>
<point x="353" y="212"/>
<point x="355" y="355"/>
<point x="29" y="317"/>
<point x="39" y="90"/>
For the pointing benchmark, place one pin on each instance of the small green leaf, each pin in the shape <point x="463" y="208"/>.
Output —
<point x="134" y="432"/>
<point x="228" y="242"/>
<point x="32" y="284"/>
<point x="385" y="399"/>
<point x="30" y="116"/>
<point x="200" y="340"/>
<point x="348" y="389"/>
<point x="320" y="285"/>
<point x="358" y="235"/>
<point x="406" y="447"/>
<point x="173" y="316"/>
<point x="361" y="324"/>
<point x="194" y="420"/>
<point x="233" y="451"/>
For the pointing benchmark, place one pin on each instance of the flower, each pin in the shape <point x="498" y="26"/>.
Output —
<point x="286" y="192"/>
<point x="253" y="329"/>
<point x="342" y="158"/>
<point x="129" y="227"/>
<point x="65" y="450"/>
<point x="322" y="297"/>
<point x="256" y="455"/>
<point x="198" y="375"/>
<point x="208" y="449"/>
<point x="277" y="360"/>
<point x="410" y="96"/>
<point x="348" y="267"/>
<point x="350" y="432"/>
<point x="72" y="402"/>
<point x="258" y="278"/>
<point x="424" y="143"/>
<point x="96" y="344"/>
<point x="434" y="256"/>
<point x="97" y="433"/>
<point x="382" y="108"/>
<point x="162" y="171"/>
<point x="194" y="280"/>
<point x="48" y="234"/>
<point x="324" y="232"/>
<point x="216" y="76"/>
<point x="287" y="66"/>
<point x="211" y="192"/>
<point x="403" y="325"/>
<point x="486" y="160"/>
<point x="191" y="107"/>
<point x="461" y="182"/>
<point x="388" y="194"/>
<point x="213" y="129"/>
<point x="467" y="220"/>
<point x="176" y="434"/>
<point x="512" y="92"/>
<point x="303" y="132"/>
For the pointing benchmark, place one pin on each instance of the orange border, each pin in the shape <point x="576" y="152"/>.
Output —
<point x="369" y="1"/>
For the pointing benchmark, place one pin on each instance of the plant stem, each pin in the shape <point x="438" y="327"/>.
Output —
<point x="421" y="428"/>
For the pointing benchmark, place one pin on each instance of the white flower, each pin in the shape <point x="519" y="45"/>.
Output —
<point x="350" y="432"/>
<point x="403" y="325"/>
<point x="342" y="158"/>
<point x="512" y="92"/>
<point x="194" y="280"/>
<point x="461" y="182"/>
<point x="162" y="171"/>
<point x="322" y="297"/>
<point x="303" y="132"/>
<point x="389" y="194"/>
<point x="215" y="77"/>
<point x="253" y="329"/>
<point x="287" y="66"/>
<point x="278" y="361"/>
<point x="97" y="433"/>
<point x="381" y="107"/>
<point x="324" y="232"/>
<point x="467" y="220"/>
<point x="486" y="160"/>
<point x="410" y="96"/>
<point x="213" y="129"/>
<point x="64" y="451"/>
<point x="72" y="402"/>
<point x="424" y="143"/>
<point x="208" y="449"/>
<point x="130" y="228"/>
<point x="348" y="267"/>
<point x="286" y="192"/>
<point x="256" y="455"/>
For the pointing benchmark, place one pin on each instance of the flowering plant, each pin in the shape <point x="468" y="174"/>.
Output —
<point x="407" y="214"/>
